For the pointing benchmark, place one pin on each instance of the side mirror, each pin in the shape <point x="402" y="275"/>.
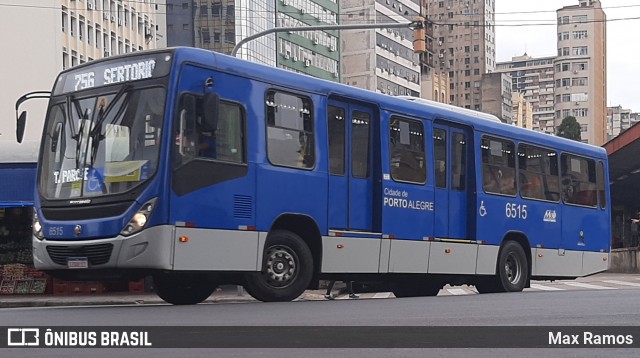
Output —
<point x="211" y="104"/>
<point x="20" y="125"/>
<point x="187" y="122"/>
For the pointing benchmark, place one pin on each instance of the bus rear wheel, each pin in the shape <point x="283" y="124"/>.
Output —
<point x="512" y="271"/>
<point x="416" y="288"/>
<point x="287" y="269"/>
<point x="182" y="289"/>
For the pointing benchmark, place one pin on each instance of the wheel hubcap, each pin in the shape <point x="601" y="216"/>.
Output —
<point x="513" y="268"/>
<point x="282" y="267"/>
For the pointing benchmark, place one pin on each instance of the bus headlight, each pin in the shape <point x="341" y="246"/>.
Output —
<point x="139" y="219"/>
<point x="37" y="227"/>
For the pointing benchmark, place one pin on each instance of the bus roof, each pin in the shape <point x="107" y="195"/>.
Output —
<point x="415" y="107"/>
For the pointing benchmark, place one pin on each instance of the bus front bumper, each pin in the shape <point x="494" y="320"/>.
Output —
<point x="151" y="248"/>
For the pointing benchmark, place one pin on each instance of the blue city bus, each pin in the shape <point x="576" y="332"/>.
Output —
<point x="201" y="169"/>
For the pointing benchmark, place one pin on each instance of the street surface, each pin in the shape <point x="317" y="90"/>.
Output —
<point x="598" y="300"/>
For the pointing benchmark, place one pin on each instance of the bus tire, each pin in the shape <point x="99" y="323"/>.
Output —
<point x="512" y="271"/>
<point x="183" y="289"/>
<point x="287" y="269"/>
<point x="416" y="288"/>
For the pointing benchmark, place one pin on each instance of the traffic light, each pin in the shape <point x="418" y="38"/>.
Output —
<point x="419" y="36"/>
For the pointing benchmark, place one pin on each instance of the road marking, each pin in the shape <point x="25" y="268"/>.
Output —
<point x="382" y="295"/>
<point x="624" y="283"/>
<point x="458" y="291"/>
<point x="587" y="285"/>
<point x="546" y="288"/>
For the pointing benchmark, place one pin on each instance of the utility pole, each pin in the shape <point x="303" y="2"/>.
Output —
<point x="415" y="25"/>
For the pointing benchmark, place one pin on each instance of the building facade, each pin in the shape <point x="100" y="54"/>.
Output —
<point x="218" y="25"/>
<point x="619" y="120"/>
<point x="534" y="79"/>
<point x="316" y="53"/>
<point x="496" y="96"/>
<point x="522" y="111"/>
<point x="464" y="43"/>
<point x="53" y="35"/>
<point x="581" y="69"/>
<point x="380" y="60"/>
<point x="93" y="29"/>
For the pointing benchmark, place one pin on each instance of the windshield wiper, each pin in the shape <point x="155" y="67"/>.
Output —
<point x="95" y="134"/>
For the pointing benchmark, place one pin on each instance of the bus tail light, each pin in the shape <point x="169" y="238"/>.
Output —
<point x="139" y="219"/>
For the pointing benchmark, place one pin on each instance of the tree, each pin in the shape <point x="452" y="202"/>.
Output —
<point x="569" y="128"/>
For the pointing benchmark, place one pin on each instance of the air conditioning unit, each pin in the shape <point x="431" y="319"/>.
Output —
<point x="113" y="18"/>
<point x="439" y="43"/>
<point x="307" y="63"/>
<point x="401" y="36"/>
<point x="105" y="16"/>
<point x="441" y="55"/>
<point x="302" y="11"/>
<point x="575" y="71"/>
<point x="335" y="74"/>
<point x="89" y="6"/>
<point x="315" y="41"/>
<point x="577" y="103"/>
<point x="389" y="31"/>
<point x="332" y="48"/>
<point x="107" y="54"/>
<point x="295" y="58"/>
<point x="567" y="87"/>
<point x="120" y="22"/>
<point x="286" y="56"/>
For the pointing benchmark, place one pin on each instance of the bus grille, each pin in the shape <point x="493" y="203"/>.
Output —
<point x="96" y="254"/>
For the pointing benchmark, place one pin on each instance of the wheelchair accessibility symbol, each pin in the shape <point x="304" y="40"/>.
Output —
<point x="483" y="210"/>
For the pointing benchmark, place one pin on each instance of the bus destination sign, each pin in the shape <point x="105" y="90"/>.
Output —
<point x="112" y="72"/>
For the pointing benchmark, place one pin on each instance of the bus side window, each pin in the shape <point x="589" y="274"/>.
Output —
<point x="498" y="166"/>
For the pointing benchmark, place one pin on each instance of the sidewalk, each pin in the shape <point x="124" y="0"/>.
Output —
<point x="229" y="294"/>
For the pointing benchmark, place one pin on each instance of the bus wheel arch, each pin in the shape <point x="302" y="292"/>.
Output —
<point x="307" y="228"/>
<point x="288" y="263"/>
<point x="513" y="266"/>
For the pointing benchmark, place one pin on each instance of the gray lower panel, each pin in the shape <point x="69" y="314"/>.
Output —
<point x="487" y="259"/>
<point x="409" y="256"/>
<point x="216" y="250"/>
<point x="557" y="262"/>
<point x="594" y="262"/>
<point x="350" y="255"/>
<point x="149" y="249"/>
<point x="453" y="258"/>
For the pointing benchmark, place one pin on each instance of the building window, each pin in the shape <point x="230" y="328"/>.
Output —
<point x="406" y="150"/>
<point x="579" y="18"/>
<point x="290" y="134"/>
<point x="580" y="81"/>
<point x="580" y="51"/>
<point x="579" y="35"/>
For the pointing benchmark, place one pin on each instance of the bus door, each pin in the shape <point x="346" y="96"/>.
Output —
<point x="350" y="166"/>
<point x="452" y="181"/>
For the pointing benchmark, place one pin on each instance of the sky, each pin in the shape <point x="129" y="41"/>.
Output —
<point x="623" y="47"/>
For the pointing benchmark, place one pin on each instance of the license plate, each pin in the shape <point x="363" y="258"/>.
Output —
<point x="77" y="263"/>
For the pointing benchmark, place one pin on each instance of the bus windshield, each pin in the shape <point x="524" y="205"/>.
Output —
<point x="101" y="144"/>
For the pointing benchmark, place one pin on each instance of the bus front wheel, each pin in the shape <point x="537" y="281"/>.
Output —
<point x="512" y="271"/>
<point x="287" y="269"/>
<point x="180" y="289"/>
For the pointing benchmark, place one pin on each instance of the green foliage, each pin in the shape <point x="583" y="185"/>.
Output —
<point x="569" y="128"/>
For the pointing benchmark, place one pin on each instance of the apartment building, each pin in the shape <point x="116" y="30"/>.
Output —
<point x="522" y="111"/>
<point x="581" y="69"/>
<point x="47" y="36"/>
<point x="619" y="120"/>
<point x="380" y="60"/>
<point x="533" y="78"/>
<point x="496" y="95"/>
<point x="316" y="53"/>
<point x="93" y="29"/>
<point x="464" y="43"/>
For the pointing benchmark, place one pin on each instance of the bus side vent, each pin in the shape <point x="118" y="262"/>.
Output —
<point x="242" y="207"/>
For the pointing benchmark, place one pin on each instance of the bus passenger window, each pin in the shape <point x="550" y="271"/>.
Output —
<point x="440" y="153"/>
<point x="290" y="135"/>
<point x="579" y="180"/>
<point x="538" y="173"/>
<point x="498" y="166"/>
<point x="406" y="149"/>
